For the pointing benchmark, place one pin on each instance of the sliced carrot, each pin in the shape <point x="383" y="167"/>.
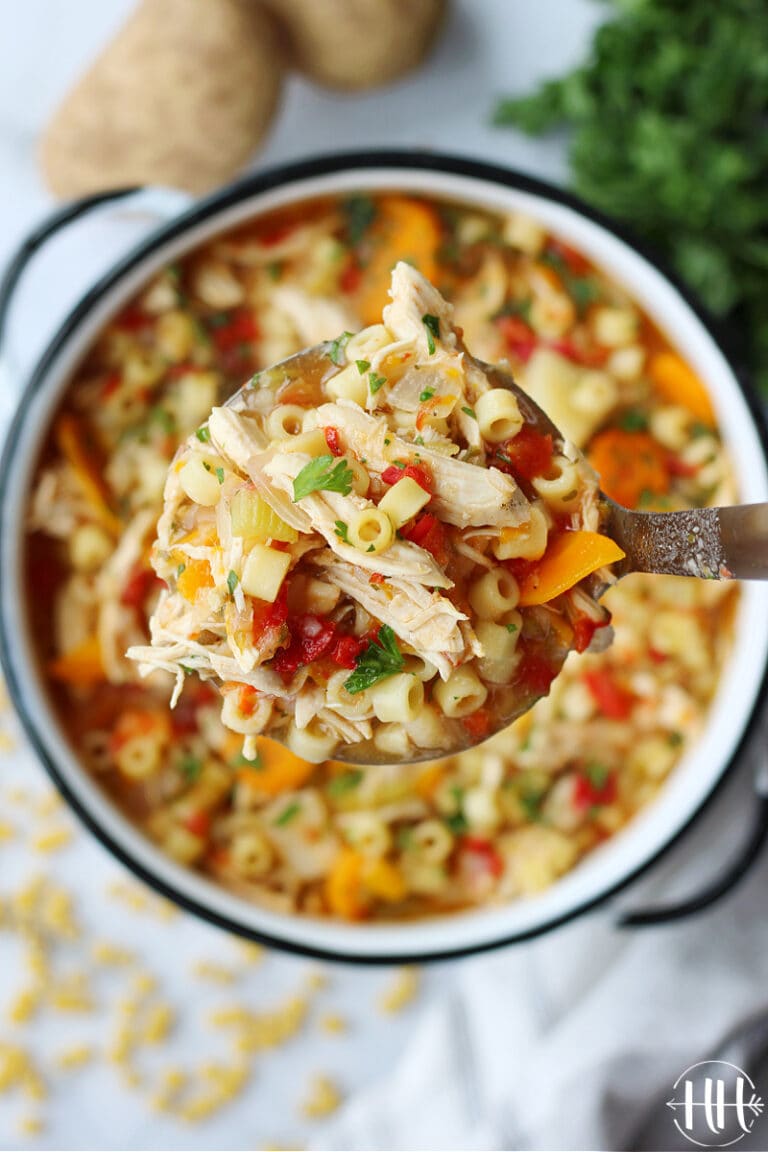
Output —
<point x="404" y="229"/>
<point x="72" y="442"/>
<point x="678" y="383"/>
<point x="278" y="770"/>
<point x="383" y="879"/>
<point x="195" y="576"/>
<point x="344" y="886"/>
<point x="81" y="665"/>
<point x="630" y="465"/>
<point x="568" y="559"/>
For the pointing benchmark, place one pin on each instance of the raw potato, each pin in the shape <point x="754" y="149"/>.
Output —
<point x="358" y="43"/>
<point x="182" y="96"/>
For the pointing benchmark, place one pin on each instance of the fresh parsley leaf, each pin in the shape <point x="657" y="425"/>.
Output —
<point x="375" y="382"/>
<point x="633" y="420"/>
<point x="469" y="412"/>
<point x="511" y="628"/>
<point x="362" y="366"/>
<point x="232" y="581"/>
<point x="432" y="325"/>
<point x="203" y="434"/>
<point x="290" y="812"/>
<point x="359" y="213"/>
<point x="337" y="346"/>
<point x="324" y="473"/>
<point x="382" y="658"/>
<point x="457" y="823"/>
<point x="181" y="568"/>
<point x="190" y="768"/>
<point x="427" y="394"/>
<point x="341" y="531"/>
<point x="220" y="475"/>
<point x="345" y="782"/>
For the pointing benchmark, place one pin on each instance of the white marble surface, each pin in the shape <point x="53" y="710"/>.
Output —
<point x="490" y="46"/>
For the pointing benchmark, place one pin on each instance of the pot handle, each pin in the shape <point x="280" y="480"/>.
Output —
<point x="734" y="873"/>
<point x="156" y="204"/>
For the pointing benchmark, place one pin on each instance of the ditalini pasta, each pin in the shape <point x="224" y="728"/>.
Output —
<point x="501" y="821"/>
<point x="398" y="498"/>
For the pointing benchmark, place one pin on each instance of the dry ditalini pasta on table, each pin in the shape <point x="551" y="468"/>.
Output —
<point x="495" y="823"/>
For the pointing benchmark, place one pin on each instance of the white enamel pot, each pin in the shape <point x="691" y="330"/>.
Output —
<point x="734" y="711"/>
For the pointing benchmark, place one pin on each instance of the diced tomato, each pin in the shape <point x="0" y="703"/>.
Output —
<point x="536" y="674"/>
<point x="593" y="356"/>
<point x="111" y="384"/>
<point x="678" y="467"/>
<point x="184" y="717"/>
<point x="657" y="657"/>
<point x="267" y="617"/>
<point x="577" y="263"/>
<point x="478" y="724"/>
<point x="613" y="701"/>
<point x="529" y="454"/>
<point x="346" y="651"/>
<point x="333" y="440"/>
<point x="429" y="533"/>
<point x="520" y="569"/>
<point x="589" y="794"/>
<point x="418" y="472"/>
<point x="375" y="578"/>
<point x="350" y="278"/>
<point x="483" y="853"/>
<point x="131" y="319"/>
<point x="140" y="583"/>
<point x="311" y="638"/>
<point x="275" y="233"/>
<point x="519" y="337"/>
<point x="198" y="823"/>
<point x="584" y="629"/>
<point x="240" y="328"/>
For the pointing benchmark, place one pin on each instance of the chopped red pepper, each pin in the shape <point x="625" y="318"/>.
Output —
<point x="584" y="629"/>
<point x="594" y="356"/>
<point x="519" y="337"/>
<point x="267" y="617"/>
<point x="483" y="853"/>
<point x="376" y="578"/>
<point x="613" y="701"/>
<point x="140" y="583"/>
<point x="346" y="650"/>
<point x="311" y="638"/>
<point x="240" y="328"/>
<point x="350" y="278"/>
<point x="678" y="467"/>
<point x="588" y="793"/>
<point x="418" y="472"/>
<point x="111" y="384"/>
<point x="274" y="233"/>
<point x="333" y="441"/>
<point x="529" y="454"/>
<point x="198" y="823"/>
<point x="657" y="657"/>
<point x="429" y="533"/>
<point x="478" y="724"/>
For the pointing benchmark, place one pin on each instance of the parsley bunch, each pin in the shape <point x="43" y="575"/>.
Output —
<point x="668" y="120"/>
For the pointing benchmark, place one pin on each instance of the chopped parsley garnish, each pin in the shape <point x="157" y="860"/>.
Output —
<point x="382" y="658"/>
<point x="675" y="739"/>
<point x="275" y="270"/>
<point x="359" y="213"/>
<point x="427" y="394"/>
<point x="511" y="627"/>
<point x="345" y="782"/>
<point x="375" y="382"/>
<point x="325" y="473"/>
<point x="432" y="325"/>
<point x="362" y="366"/>
<point x="337" y="346"/>
<point x="597" y="774"/>
<point x="457" y="823"/>
<point x="203" y="434"/>
<point x="469" y="412"/>
<point x="633" y="420"/>
<point x="288" y="813"/>
<point x="418" y="440"/>
<point x="181" y="568"/>
<point x="163" y="418"/>
<point x="190" y="768"/>
<point x="220" y="475"/>
<point x="341" y="531"/>
<point x="232" y="581"/>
